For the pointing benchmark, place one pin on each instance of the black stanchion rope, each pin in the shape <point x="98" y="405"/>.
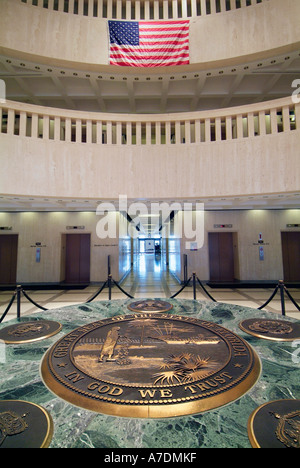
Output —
<point x="270" y="298"/>
<point x="8" y="307"/>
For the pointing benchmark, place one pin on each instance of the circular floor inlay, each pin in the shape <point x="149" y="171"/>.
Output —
<point x="276" y="330"/>
<point x="275" y="424"/>
<point x="150" y="305"/>
<point x="150" y="365"/>
<point x="29" y="331"/>
<point x="24" y="425"/>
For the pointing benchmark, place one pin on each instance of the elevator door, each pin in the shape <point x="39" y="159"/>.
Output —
<point x="221" y="256"/>
<point x="8" y="258"/>
<point x="291" y="255"/>
<point x="77" y="266"/>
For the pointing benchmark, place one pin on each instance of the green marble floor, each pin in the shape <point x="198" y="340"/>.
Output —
<point x="224" y="427"/>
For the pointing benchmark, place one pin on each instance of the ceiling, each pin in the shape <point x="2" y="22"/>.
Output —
<point x="249" y="202"/>
<point x="149" y="223"/>
<point x="158" y="92"/>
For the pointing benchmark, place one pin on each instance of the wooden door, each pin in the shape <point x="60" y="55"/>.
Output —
<point x="291" y="255"/>
<point x="221" y="256"/>
<point x="77" y="264"/>
<point x="8" y="258"/>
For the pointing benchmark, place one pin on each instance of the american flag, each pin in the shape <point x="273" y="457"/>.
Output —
<point x="149" y="43"/>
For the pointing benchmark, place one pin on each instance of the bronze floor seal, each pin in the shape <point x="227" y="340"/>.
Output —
<point x="150" y="366"/>
<point x="150" y="305"/>
<point x="270" y="329"/>
<point x="29" y="331"/>
<point x="24" y="425"/>
<point x="275" y="424"/>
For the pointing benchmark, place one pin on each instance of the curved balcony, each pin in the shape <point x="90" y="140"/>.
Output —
<point x="230" y="152"/>
<point x="240" y="31"/>
<point x="142" y="9"/>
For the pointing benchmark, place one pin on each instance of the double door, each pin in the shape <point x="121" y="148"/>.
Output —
<point x="222" y="256"/>
<point x="8" y="258"/>
<point x="77" y="258"/>
<point x="291" y="255"/>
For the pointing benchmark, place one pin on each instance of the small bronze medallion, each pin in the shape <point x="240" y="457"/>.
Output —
<point x="275" y="424"/>
<point x="27" y="332"/>
<point x="24" y="425"/>
<point x="150" y="305"/>
<point x="269" y="329"/>
<point x="150" y="366"/>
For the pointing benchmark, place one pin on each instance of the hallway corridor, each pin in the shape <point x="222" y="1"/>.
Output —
<point x="150" y="277"/>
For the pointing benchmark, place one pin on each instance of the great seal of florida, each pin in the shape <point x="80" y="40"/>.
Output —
<point x="150" y="365"/>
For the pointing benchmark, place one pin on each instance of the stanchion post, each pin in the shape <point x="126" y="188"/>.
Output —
<point x="109" y="286"/>
<point x="194" y="285"/>
<point x="281" y="287"/>
<point x="19" y="292"/>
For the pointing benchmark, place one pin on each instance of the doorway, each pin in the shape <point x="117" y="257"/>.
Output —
<point x="222" y="256"/>
<point x="150" y="246"/>
<point x="8" y="258"/>
<point x="77" y="255"/>
<point x="291" y="255"/>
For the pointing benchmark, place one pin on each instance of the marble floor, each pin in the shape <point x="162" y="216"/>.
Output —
<point x="149" y="278"/>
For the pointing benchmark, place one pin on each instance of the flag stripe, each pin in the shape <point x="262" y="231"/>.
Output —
<point x="149" y="57"/>
<point x="149" y="64"/>
<point x="149" y="44"/>
<point x="162" y="50"/>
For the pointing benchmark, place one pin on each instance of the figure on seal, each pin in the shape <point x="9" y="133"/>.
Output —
<point x="109" y="344"/>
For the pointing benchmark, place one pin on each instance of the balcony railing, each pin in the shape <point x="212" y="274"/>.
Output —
<point x="252" y="121"/>
<point x="143" y="9"/>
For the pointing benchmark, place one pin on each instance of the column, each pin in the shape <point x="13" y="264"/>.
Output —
<point x="177" y="133"/>
<point x="68" y="126"/>
<point x="165" y="9"/>
<point x="207" y="130"/>
<point x="109" y="132"/>
<point x="197" y="131"/>
<point x="11" y="122"/>
<point x="100" y="12"/>
<point x="218" y="128"/>
<point x="89" y="131"/>
<point x="250" y="125"/>
<point x="57" y="128"/>
<point x="119" y="133"/>
<point x="239" y="124"/>
<point x="34" y="126"/>
<point x="286" y="119"/>
<point x="99" y="133"/>
<point x="138" y="127"/>
<point x="194" y="8"/>
<point x="46" y="127"/>
<point x="228" y="128"/>
<point x="23" y="118"/>
<point x="184" y="8"/>
<point x="262" y="123"/>
<point x="203" y="7"/>
<point x="80" y="7"/>
<point x="274" y="126"/>
<point x="174" y="9"/>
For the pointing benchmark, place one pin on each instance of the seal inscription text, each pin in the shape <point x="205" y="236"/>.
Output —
<point x="150" y="365"/>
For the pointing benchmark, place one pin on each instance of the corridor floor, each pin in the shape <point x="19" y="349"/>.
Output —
<point x="148" y="279"/>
